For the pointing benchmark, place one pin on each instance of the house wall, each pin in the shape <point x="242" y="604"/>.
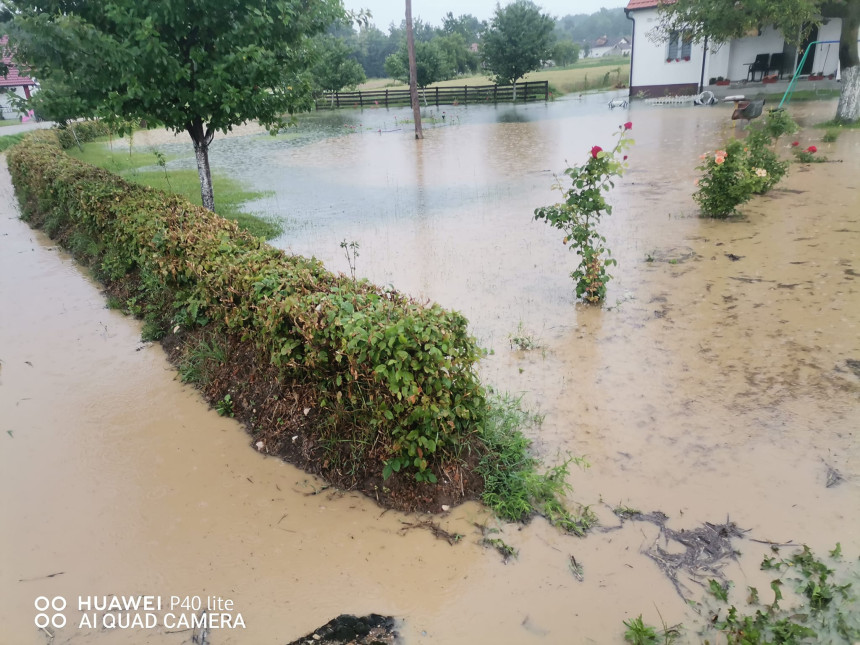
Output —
<point x="827" y="56"/>
<point x="744" y="50"/>
<point x="651" y="73"/>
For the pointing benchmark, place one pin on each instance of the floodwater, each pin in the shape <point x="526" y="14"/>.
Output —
<point x="707" y="388"/>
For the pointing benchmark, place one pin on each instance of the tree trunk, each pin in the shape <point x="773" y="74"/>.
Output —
<point x="848" y="109"/>
<point x="515" y="90"/>
<point x="413" y="71"/>
<point x="201" y="139"/>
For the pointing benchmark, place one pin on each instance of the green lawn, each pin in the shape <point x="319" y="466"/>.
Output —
<point x="229" y="193"/>
<point x="9" y="122"/>
<point x="589" y="74"/>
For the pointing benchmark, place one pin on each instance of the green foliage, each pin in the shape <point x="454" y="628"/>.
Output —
<point x="831" y="135"/>
<point x="778" y="123"/>
<point x="638" y="633"/>
<point x="334" y="68"/>
<point x="807" y="155"/>
<point x="430" y="64"/>
<point x="224" y="407"/>
<point x="196" y="365"/>
<point x="744" y="168"/>
<point x="192" y="66"/>
<point x="727" y="181"/>
<point x="724" y="20"/>
<point x="389" y="372"/>
<point x="9" y="140"/>
<point x="579" y="215"/>
<point x="513" y="487"/>
<point x="518" y="40"/>
<point x="565" y="52"/>
<point x="828" y="606"/>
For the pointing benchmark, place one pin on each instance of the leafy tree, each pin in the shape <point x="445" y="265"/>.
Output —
<point x="723" y="20"/>
<point x="459" y="59"/>
<point x="201" y="66"/>
<point x="334" y="68"/>
<point x="583" y="27"/>
<point x="372" y="48"/>
<point x="431" y="64"/>
<point x="565" y="52"/>
<point x="466" y="25"/>
<point x="518" y="41"/>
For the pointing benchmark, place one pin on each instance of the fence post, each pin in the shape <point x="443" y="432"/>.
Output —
<point x="337" y="99"/>
<point x="546" y="91"/>
<point x="386" y="97"/>
<point x="437" y="96"/>
<point x="466" y="94"/>
<point x="360" y="99"/>
<point x="495" y="90"/>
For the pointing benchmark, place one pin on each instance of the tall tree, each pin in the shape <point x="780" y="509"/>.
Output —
<point x="469" y="27"/>
<point x="723" y="20"/>
<point x="200" y="66"/>
<point x="518" y="41"/>
<point x="431" y="65"/>
<point x="334" y="68"/>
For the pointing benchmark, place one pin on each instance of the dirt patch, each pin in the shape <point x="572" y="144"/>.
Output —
<point x="352" y="630"/>
<point x="283" y="418"/>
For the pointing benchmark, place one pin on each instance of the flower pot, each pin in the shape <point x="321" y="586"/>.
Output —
<point x="723" y="82"/>
<point x="816" y="77"/>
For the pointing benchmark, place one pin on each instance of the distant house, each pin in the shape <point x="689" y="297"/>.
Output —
<point x="13" y="82"/>
<point x="678" y="66"/>
<point x="605" y="46"/>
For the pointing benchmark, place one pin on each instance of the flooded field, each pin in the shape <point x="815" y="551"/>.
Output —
<point x="719" y="382"/>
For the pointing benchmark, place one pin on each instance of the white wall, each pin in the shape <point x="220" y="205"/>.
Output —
<point x="827" y="56"/>
<point x="744" y="50"/>
<point x="649" y="57"/>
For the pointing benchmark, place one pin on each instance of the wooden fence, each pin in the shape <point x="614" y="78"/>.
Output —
<point x="459" y="95"/>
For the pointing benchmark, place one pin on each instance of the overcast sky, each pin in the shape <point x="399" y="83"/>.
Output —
<point x="387" y="11"/>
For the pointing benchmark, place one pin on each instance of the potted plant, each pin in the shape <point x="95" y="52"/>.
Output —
<point x="722" y="81"/>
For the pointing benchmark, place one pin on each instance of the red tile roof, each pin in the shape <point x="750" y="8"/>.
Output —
<point x="14" y="79"/>
<point x="642" y="4"/>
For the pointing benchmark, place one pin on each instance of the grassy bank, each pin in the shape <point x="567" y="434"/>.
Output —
<point x="137" y="167"/>
<point x="10" y="140"/>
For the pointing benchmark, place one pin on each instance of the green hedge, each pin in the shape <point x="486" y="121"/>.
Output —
<point x="387" y="369"/>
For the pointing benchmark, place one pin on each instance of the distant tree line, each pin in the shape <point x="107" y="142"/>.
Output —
<point x="461" y="46"/>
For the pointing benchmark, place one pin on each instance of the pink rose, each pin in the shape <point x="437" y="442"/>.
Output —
<point x="595" y="150"/>
<point x="628" y="125"/>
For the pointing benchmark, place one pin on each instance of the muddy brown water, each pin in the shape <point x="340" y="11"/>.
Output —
<point x="706" y="388"/>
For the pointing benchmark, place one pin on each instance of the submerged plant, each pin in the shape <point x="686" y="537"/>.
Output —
<point x="579" y="214"/>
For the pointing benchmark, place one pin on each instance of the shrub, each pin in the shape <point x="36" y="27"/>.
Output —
<point x="389" y="371"/>
<point x="580" y="212"/>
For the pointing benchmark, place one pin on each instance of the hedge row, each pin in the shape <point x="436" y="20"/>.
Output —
<point x="387" y="369"/>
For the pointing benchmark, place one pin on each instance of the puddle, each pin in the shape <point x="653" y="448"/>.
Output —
<point x="709" y="388"/>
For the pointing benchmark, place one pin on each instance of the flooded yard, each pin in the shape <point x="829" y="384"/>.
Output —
<point x="720" y="381"/>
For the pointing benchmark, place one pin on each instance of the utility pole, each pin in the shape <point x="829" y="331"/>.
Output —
<point x="413" y="71"/>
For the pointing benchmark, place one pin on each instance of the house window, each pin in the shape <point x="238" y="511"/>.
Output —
<point x="680" y="46"/>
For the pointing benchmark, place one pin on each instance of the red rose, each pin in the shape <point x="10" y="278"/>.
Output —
<point x="625" y="157"/>
<point x="794" y="144"/>
<point x="595" y="150"/>
<point x="812" y="149"/>
<point x="628" y="125"/>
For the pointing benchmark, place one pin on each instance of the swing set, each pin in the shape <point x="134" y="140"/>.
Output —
<point x="792" y="84"/>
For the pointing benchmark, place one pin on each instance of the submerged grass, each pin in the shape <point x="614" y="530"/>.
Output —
<point x="229" y="193"/>
<point x="833" y="124"/>
<point x="514" y="487"/>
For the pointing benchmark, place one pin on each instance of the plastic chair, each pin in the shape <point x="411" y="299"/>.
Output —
<point x="777" y="64"/>
<point x="760" y="65"/>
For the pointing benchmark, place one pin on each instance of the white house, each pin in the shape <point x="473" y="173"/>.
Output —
<point x="677" y="66"/>
<point x="13" y="83"/>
